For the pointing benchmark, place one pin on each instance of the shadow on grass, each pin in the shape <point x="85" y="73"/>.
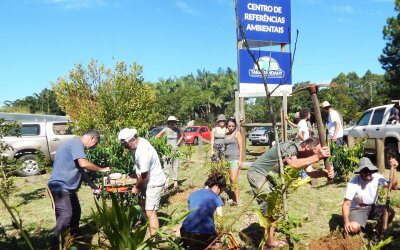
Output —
<point x="43" y="239"/>
<point x="34" y="195"/>
<point x="337" y="185"/>
<point x="252" y="235"/>
<point x="336" y="222"/>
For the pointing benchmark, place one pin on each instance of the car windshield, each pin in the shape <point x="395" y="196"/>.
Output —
<point x="268" y="128"/>
<point x="191" y="129"/>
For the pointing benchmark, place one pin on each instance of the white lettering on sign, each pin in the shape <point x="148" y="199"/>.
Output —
<point x="264" y="18"/>
<point x="271" y="18"/>
<point x="264" y="28"/>
<point x="264" y="8"/>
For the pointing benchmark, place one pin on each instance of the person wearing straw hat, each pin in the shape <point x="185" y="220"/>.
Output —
<point x="150" y="175"/>
<point x="218" y="139"/>
<point x="335" y="127"/>
<point x="174" y="138"/>
<point x="361" y="197"/>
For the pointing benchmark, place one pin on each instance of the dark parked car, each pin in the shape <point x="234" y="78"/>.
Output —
<point x="155" y="131"/>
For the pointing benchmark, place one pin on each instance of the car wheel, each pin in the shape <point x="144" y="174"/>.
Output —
<point x="196" y="141"/>
<point x="391" y="150"/>
<point x="253" y="143"/>
<point x="29" y="165"/>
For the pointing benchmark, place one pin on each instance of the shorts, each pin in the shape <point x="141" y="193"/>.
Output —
<point x="233" y="164"/>
<point x="362" y="214"/>
<point x="152" y="197"/>
<point x="259" y="182"/>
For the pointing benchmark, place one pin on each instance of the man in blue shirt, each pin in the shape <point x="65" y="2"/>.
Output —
<point x="66" y="178"/>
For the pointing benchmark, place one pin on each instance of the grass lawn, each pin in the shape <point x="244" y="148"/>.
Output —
<point x="321" y="203"/>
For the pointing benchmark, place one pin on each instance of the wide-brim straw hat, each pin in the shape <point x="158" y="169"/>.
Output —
<point x="325" y="104"/>
<point x="221" y="117"/>
<point x="172" y="119"/>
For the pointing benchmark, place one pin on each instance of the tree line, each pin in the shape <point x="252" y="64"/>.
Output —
<point x="102" y="97"/>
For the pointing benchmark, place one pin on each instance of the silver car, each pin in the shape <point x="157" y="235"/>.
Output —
<point x="261" y="135"/>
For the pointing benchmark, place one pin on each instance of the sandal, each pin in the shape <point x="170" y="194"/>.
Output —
<point x="276" y="244"/>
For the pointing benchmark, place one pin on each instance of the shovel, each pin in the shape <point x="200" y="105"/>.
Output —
<point x="385" y="218"/>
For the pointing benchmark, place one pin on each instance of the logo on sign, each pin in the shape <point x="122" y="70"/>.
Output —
<point x="269" y="66"/>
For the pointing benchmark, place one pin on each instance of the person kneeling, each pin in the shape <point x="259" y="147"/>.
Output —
<point x="198" y="229"/>
<point x="360" y="202"/>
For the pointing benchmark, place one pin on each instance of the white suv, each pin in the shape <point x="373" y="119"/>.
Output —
<point x="261" y="135"/>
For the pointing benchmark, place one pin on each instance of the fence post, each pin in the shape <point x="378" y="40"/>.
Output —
<point x="380" y="154"/>
<point x="350" y="141"/>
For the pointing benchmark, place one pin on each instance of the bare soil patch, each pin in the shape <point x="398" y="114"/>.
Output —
<point x="337" y="242"/>
<point x="180" y="196"/>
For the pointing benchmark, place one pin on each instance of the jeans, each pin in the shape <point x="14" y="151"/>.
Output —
<point x="174" y="163"/>
<point x="68" y="213"/>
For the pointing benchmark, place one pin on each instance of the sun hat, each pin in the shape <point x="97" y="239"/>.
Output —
<point x="297" y="115"/>
<point x="126" y="134"/>
<point x="365" y="162"/>
<point x="221" y="117"/>
<point x="325" y="104"/>
<point x="172" y="119"/>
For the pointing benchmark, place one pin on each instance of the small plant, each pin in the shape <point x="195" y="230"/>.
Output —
<point x="220" y="167"/>
<point x="6" y="182"/>
<point x="17" y="223"/>
<point x="274" y="216"/>
<point x="206" y="150"/>
<point x="125" y="227"/>
<point x="346" y="159"/>
<point x="186" y="152"/>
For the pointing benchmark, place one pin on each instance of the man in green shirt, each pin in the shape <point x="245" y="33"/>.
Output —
<point x="297" y="155"/>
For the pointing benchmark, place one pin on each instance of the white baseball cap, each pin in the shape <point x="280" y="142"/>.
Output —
<point x="126" y="134"/>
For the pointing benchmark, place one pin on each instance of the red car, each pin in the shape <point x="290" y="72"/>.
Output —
<point x="192" y="134"/>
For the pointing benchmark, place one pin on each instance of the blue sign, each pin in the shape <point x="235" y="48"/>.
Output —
<point x="275" y="65"/>
<point x="262" y="20"/>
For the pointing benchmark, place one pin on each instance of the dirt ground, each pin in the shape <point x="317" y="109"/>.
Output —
<point x="337" y="242"/>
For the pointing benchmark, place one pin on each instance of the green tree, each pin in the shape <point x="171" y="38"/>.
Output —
<point x="105" y="99"/>
<point x="390" y="58"/>
<point x="43" y="103"/>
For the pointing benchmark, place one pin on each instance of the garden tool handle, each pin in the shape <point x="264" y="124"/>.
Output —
<point x="321" y="132"/>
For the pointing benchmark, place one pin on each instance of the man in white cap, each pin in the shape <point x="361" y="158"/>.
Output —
<point x="335" y="127"/>
<point x="360" y="200"/>
<point x="150" y="176"/>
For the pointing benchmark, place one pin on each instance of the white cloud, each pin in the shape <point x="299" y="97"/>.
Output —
<point x="77" y="4"/>
<point x="184" y="7"/>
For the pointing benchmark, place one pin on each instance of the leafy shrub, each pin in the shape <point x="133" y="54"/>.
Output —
<point x="346" y="159"/>
<point x="125" y="227"/>
<point x="6" y="166"/>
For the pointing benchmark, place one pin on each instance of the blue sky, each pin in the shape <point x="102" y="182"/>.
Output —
<point x="41" y="40"/>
